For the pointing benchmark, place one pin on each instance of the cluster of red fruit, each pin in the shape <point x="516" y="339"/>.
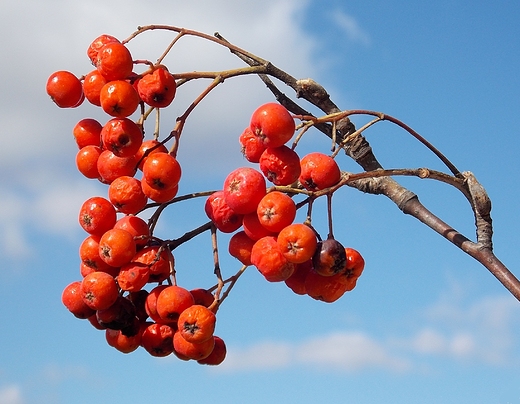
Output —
<point x="119" y="258"/>
<point x="270" y="240"/>
<point x="128" y="287"/>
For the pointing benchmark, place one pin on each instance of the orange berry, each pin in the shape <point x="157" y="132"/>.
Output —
<point x="117" y="247"/>
<point x="114" y="61"/>
<point x="253" y="227"/>
<point x="99" y="290"/>
<point x="276" y="211"/>
<point x="87" y="132"/>
<point x="296" y="282"/>
<point x="97" y="44"/>
<point x="92" y="85"/>
<point x="150" y="304"/>
<point x="149" y="147"/>
<point x="280" y="165"/>
<point x="243" y="189"/>
<point x="326" y="288"/>
<point x="86" y="161"/>
<point x="161" y="171"/>
<point x="121" y="342"/>
<point x="251" y="145"/>
<point x="217" y="355"/>
<point x="202" y="296"/>
<point x="158" y="88"/>
<point x="126" y="195"/>
<point x="219" y="212"/>
<point x="65" y="89"/>
<point x="267" y="257"/>
<point x="196" y="323"/>
<point x="190" y="350"/>
<point x="172" y="301"/>
<point x="72" y="299"/>
<point x="159" y="260"/>
<point x="111" y="166"/>
<point x="136" y="226"/>
<point x="118" y="98"/>
<point x="272" y="124"/>
<point x="97" y="215"/>
<point x="157" y="339"/>
<point x="297" y="242"/>
<point x="159" y="195"/>
<point x="318" y="171"/>
<point x="133" y="276"/>
<point x="89" y="256"/>
<point x="355" y="263"/>
<point x="240" y="246"/>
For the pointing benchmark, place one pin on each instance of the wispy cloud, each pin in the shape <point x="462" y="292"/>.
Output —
<point x="48" y="204"/>
<point x="40" y="133"/>
<point x="350" y="351"/>
<point x="350" y="26"/>
<point x="12" y="235"/>
<point x="58" y="373"/>
<point x="11" y="394"/>
<point x="478" y="332"/>
<point x="345" y="351"/>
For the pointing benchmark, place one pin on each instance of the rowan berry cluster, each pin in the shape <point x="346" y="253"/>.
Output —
<point x="119" y="257"/>
<point x="128" y="283"/>
<point x="267" y="236"/>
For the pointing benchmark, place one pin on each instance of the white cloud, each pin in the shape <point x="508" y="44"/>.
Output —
<point x="56" y="374"/>
<point x="55" y="208"/>
<point x="344" y="351"/>
<point x="432" y="342"/>
<point x="351" y="28"/>
<point x="428" y="341"/>
<point x="46" y="202"/>
<point x="260" y="356"/>
<point x="38" y="134"/>
<point x="11" y="395"/>
<point x="37" y="128"/>
<point x="481" y="331"/>
<point x="349" y="351"/>
<point x="13" y="242"/>
<point x="449" y="331"/>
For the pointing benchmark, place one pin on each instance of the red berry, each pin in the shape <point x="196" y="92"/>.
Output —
<point x="97" y="215"/>
<point x="243" y="190"/>
<point x="272" y="124"/>
<point x="65" y="89"/>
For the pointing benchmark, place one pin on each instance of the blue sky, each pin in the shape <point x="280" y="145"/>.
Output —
<point x="425" y="324"/>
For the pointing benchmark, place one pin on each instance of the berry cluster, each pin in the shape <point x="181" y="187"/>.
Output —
<point x="269" y="239"/>
<point x="128" y="286"/>
<point x="119" y="257"/>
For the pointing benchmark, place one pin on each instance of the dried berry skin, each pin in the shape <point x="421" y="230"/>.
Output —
<point x="280" y="165"/>
<point x="219" y="212"/>
<point x="158" y="88"/>
<point x="122" y="136"/>
<point x="270" y="261"/>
